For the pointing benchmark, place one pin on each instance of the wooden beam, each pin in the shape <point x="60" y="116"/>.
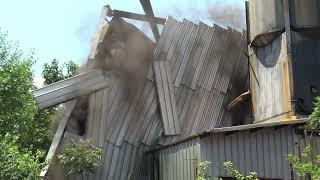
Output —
<point x="243" y="97"/>
<point x="146" y="5"/>
<point x="124" y="14"/>
<point x="57" y="137"/>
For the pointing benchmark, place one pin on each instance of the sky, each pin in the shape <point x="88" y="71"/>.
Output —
<point x="63" y="29"/>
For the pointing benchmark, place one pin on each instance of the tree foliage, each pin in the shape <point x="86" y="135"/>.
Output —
<point x="303" y="164"/>
<point x="17" y="164"/>
<point x="17" y="106"/>
<point x="314" y="118"/>
<point x="80" y="157"/>
<point x="54" y="72"/>
<point x="202" y="170"/>
<point x="24" y="129"/>
<point x="307" y="166"/>
<point x="237" y="174"/>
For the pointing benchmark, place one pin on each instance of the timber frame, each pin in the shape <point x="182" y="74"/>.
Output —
<point x="149" y="17"/>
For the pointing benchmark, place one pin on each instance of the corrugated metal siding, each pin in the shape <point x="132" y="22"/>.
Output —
<point x="261" y="150"/>
<point x="269" y="81"/>
<point x="179" y="162"/>
<point x="266" y="20"/>
<point x="71" y="88"/>
<point x="167" y="101"/>
<point x="115" y="117"/>
<point x="204" y="63"/>
<point x="203" y="71"/>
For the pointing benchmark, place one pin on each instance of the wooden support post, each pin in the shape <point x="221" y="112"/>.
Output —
<point x="287" y="25"/>
<point x="57" y="137"/>
<point x="149" y="12"/>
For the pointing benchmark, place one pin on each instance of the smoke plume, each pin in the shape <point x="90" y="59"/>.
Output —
<point x="227" y="14"/>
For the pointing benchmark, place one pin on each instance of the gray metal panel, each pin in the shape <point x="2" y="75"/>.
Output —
<point x="167" y="98"/>
<point x="71" y="88"/>
<point x="179" y="162"/>
<point x="186" y="55"/>
<point x="164" y="81"/>
<point x="263" y="151"/>
<point x="118" y="162"/>
<point x="203" y="57"/>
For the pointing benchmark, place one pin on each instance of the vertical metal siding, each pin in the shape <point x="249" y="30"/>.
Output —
<point x="164" y="83"/>
<point x="263" y="151"/>
<point x="179" y="162"/>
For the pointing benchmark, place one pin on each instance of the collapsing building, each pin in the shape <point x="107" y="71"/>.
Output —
<point x="158" y="109"/>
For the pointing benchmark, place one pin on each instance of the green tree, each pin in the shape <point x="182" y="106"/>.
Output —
<point x="237" y="174"/>
<point x="307" y="166"/>
<point x="24" y="129"/>
<point x="71" y="68"/>
<point x="54" y="72"/>
<point x="17" y="106"/>
<point x="17" y="164"/>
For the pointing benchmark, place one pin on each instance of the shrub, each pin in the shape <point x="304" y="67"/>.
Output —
<point x="305" y="167"/>
<point x="202" y="170"/>
<point x="236" y="174"/>
<point x="80" y="157"/>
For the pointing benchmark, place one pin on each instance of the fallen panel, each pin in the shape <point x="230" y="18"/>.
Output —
<point x="163" y="74"/>
<point x="71" y="88"/>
